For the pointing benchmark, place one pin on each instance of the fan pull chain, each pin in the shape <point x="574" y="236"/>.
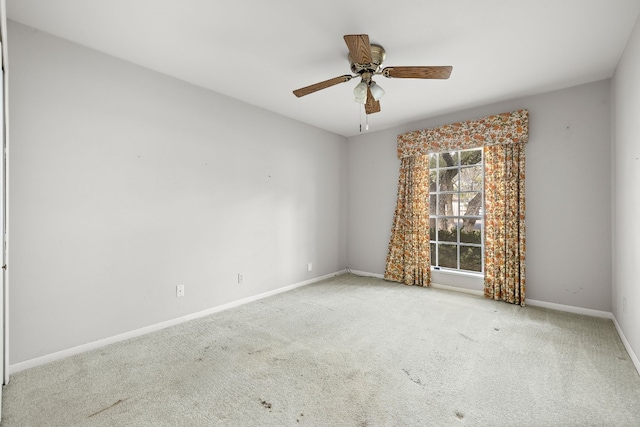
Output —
<point x="366" y="124"/>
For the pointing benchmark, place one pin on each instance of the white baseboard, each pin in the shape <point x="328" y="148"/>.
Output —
<point x="365" y="273"/>
<point x="27" y="364"/>
<point x="627" y="346"/>
<point x="569" y="308"/>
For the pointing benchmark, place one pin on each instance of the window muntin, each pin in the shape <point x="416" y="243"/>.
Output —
<point x="456" y="199"/>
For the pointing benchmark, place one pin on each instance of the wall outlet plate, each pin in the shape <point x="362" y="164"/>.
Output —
<point x="310" y="266"/>
<point x="179" y="291"/>
<point x="240" y="277"/>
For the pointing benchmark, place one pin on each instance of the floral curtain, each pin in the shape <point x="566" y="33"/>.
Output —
<point x="504" y="204"/>
<point x="503" y="136"/>
<point x="408" y="260"/>
<point x="506" y="128"/>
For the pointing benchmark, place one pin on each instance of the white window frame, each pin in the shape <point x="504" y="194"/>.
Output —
<point x="433" y="215"/>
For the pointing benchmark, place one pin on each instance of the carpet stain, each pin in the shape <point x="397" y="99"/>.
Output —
<point x="204" y="352"/>
<point x="466" y="337"/>
<point x="415" y="380"/>
<point x="496" y="329"/>
<point x="460" y="415"/>
<point x="260" y="350"/>
<point x="107" y="408"/>
<point x="266" y="404"/>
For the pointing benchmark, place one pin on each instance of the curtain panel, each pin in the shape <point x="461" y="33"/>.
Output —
<point x="504" y="204"/>
<point x="408" y="259"/>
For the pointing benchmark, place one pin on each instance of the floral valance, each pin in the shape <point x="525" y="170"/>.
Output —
<point x="506" y="128"/>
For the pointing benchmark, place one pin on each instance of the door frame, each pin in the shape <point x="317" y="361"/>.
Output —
<point x="4" y="209"/>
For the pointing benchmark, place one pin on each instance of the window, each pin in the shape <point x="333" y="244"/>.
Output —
<point x="456" y="199"/>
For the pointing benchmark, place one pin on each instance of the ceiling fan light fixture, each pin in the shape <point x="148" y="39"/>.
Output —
<point x="360" y="92"/>
<point x="376" y="91"/>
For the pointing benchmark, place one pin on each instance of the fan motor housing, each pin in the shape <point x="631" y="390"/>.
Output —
<point x="377" y="57"/>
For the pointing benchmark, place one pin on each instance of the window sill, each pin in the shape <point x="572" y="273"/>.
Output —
<point x="457" y="273"/>
<point x="458" y="279"/>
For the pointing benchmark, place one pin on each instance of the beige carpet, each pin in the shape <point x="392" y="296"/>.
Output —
<point x="348" y="351"/>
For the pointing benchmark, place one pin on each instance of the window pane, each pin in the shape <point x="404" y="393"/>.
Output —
<point x="445" y="204"/>
<point x="455" y="204"/>
<point x="471" y="179"/>
<point x="471" y="157"/>
<point x="432" y="247"/>
<point x="448" y="159"/>
<point x="470" y="203"/>
<point x="448" y="179"/>
<point x="448" y="256"/>
<point x="471" y="231"/>
<point x="470" y="258"/>
<point x="433" y="158"/>
<point x="447" y="230"/>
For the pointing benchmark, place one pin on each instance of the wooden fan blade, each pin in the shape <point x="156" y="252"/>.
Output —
<point x="322" y="85"/>
<point x="418" y="72"/>
<point x="372" y="106"/>
<point x="359" y="48"/>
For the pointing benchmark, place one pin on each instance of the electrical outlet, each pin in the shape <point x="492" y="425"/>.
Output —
<point x="309" y="267"/>
<point x="179" y="291"/>
<point x="240" y="277"/>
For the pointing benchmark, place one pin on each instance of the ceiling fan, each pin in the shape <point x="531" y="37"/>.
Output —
<point x="365" y="60"/>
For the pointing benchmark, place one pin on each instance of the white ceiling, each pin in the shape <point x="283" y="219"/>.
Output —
<point x="259" y="51"/>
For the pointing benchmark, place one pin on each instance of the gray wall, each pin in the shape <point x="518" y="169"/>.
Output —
<point x="625" y="91"/>
<point x="125" y="183"/>
<point x="567" y="192"/>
